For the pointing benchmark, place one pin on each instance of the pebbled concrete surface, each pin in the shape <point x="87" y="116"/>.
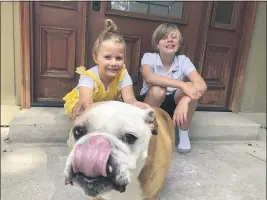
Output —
<point x="211" y="171"/>
<point x="218" y="171"/>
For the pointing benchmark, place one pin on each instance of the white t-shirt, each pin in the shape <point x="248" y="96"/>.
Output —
<point x="179" y="69"/>
<point x="88" y="82"/>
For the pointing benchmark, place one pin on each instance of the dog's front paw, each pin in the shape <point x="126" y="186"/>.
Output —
<point x="67" y="182"/>
<point x="68" y="175"/>
<point x="68" y="172"/>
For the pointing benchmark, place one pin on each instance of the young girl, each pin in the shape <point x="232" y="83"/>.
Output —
<point x="164" y="73"/>
<point x="108" y="80"/>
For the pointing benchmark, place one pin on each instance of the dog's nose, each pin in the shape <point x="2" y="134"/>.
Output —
<point x="91" y="157"/>
<point x="111" y="168"/>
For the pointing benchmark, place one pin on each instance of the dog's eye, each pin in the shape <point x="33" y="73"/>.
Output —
<point x="129" y="138"/>
<point x="79" y="131"/>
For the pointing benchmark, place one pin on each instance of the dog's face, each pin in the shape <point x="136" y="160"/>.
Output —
<point x="109" y="147"/>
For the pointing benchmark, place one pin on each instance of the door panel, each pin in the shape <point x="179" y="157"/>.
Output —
<point x="136" y="21"/>
<point x="218" y="65"/>
<point x="56" y="49"/>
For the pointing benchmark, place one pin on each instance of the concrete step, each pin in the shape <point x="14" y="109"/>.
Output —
<point x="42" y="124"/>
<point x="52" y="125"/>
<point x="223" y="126"/>
<point x="262" y="135"/>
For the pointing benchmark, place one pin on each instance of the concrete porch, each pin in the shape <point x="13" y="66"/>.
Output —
<point x="212" y="170"/>
<point x="227" y="160"/>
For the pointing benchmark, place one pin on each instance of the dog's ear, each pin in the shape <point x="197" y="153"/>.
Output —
<point x="150" y="119"/>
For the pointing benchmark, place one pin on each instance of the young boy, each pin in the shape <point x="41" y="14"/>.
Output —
<point x="164" y="73"/>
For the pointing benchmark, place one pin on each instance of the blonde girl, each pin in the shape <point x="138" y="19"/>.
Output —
<point x="164" y="73"/>
<point x="107" y="80"/>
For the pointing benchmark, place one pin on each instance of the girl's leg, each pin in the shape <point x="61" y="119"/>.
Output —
<point x="184" y="142"/>
<point x="155" y="96"/>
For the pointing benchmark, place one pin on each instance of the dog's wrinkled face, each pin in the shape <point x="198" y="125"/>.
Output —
<point x="109" y="147"/>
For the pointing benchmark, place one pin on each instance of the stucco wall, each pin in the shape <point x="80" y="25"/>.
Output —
<point x="10" y="53"/>
<point x="253" y="98"/>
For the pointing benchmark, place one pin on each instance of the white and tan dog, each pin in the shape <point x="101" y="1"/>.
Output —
<point x="120" y="152"/>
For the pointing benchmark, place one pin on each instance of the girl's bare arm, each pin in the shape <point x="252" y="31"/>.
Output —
<point x="129" y="97"/>
<point x="86" y="96"/>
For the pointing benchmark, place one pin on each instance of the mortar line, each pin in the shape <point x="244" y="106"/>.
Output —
<point x="255" y="156"/>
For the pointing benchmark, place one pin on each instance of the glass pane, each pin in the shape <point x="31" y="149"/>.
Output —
<point x="224" y="11"/>
<point x="159" y="8"/>
<point x="137" y="7"/>
<point x="176" y="9"/>
<point x="119" y="5"/>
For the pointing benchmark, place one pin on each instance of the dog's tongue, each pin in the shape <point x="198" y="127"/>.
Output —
<point x="90" y="158"/>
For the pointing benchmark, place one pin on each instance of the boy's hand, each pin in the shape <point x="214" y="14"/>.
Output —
<point x="180" y="113"/>
<point x="190" y="90"/>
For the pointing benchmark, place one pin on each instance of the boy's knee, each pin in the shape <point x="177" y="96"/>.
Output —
<point x="158" y="92"/>
<point x="178" y="95"/>
<point x="194" y="102"/>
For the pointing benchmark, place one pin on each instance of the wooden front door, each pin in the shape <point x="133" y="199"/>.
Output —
<point x="58" y="48"/>
<point x="63" y="35"/>
<point x="218" y="51"/>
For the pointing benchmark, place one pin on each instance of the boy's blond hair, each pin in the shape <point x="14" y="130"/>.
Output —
<point x="109" y="33"/>
<point x="163" y="30"/>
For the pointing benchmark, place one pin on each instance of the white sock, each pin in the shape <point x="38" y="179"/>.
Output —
<point x="184" y="142"/>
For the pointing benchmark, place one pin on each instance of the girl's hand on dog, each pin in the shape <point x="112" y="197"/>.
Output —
<point x="141" y="105"/>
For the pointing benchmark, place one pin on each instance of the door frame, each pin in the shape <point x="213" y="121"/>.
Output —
<point x="26" y="52"/>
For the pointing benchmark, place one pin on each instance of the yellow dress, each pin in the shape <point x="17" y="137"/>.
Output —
<point x="99" y="92"/>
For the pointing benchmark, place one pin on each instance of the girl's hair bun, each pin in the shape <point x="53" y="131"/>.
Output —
<point x="109" y="33"/>
<point x="110" y="26"/>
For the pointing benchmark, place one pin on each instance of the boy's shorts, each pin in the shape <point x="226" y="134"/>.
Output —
<point x="168" y="104"/>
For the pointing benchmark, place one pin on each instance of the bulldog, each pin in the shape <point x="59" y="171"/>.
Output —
<point x="120" y="152"/>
